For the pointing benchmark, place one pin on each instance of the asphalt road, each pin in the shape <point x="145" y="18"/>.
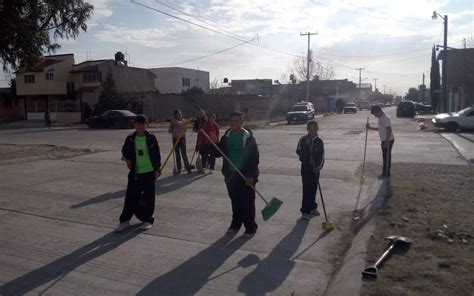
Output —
<point x="56" y="216"/>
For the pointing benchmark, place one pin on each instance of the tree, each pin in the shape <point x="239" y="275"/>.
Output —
<point x="317" y="71"/>
<point x="193" y="95"/>
<point x="30" y="28"/>
<point x="435" y="81"/>
<point x="413" y="94"/>
<point x="109" y="99"/>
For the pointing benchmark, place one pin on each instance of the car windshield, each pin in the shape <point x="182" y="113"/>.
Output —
<point x="465" y="111"/>
<point x="350" y="105"/>
<point x="299" y="108"/>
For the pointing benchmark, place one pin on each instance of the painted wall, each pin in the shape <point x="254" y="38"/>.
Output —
<point x="170" y="80"/>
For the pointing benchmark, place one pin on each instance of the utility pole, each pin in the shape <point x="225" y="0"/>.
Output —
<point x="375" y="87"/>
<point x="360" y="75"/>
<point x="445" y="66"/>
<point x="423" y="89"/>
<point x="307" y="63"/>
<point x="384" y="90"/>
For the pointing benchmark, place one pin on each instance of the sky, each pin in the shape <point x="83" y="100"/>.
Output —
<point x="245" y="39"/>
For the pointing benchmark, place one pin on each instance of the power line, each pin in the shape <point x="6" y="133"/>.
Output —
<point x="204" y="56"/>
<point x="370" y="15"/>
<point x="381" y="12"/>
<point x="374" y="55"/>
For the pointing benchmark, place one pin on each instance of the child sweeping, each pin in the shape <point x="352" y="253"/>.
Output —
<point x="206" y="149"/>
<point x="177" y="125"/>
<point x="311" y="153"/>
<point x="142" y="154"/>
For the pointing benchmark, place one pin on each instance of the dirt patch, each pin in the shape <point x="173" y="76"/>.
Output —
<point x="433" y="205"/>
<point x="10" y="151"/>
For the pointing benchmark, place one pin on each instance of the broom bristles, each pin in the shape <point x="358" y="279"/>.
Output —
<point x="271" y="208"/>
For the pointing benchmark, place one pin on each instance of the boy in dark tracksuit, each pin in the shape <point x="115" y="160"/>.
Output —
<point x="311" y="153"/>
<point x="241" y="148"/>
<point x="142" y="153"/>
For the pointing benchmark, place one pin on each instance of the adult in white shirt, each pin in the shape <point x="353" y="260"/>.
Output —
<point x="386" y="137"/>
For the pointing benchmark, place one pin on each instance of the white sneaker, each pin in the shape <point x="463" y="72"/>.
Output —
<point x="122" y="226"/>
<point x="315" y="212"/>
<point x="146" y="226"/>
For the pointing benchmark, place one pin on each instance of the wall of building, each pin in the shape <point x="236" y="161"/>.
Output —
<point x="12" y="111"/>
<point x="128" y="79"/>
<point x="42" y="86"/>
<point x="170" y="80"/>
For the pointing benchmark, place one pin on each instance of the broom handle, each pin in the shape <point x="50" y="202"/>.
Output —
<point x="233" y="165"/>
<point x="322" y="201"/>
<point x="365" y="148"/>
<point x="174" y="145"/>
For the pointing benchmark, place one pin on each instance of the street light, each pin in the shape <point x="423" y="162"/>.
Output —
<point x="445" y="59"/>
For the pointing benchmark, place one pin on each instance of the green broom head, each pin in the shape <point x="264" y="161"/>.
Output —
<point x="271" y="208"/>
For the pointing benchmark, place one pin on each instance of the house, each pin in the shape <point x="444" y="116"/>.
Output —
<point x="252" y="87"/>
<point x="460" y="78"/>
<point x="69" y="91"/>
<point x="174" y="80"/>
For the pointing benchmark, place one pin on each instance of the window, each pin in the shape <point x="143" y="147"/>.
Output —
<point x="186" y="81"/>
<point x="91" y="77"/>
<point x="29" y="78"/>
<point x="49" y="74"/>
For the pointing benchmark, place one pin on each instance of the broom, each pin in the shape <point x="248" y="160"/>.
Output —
<point x="365" y="152"/>
<point x="174" y="145"/>
<point x="271" y="207"/>
<point x="327" y="226"/>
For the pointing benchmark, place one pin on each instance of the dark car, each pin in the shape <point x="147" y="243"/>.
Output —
<point x="112" y="119"/>
<point x="406" y="109"/>
<point x="299" y="113"/>
<point x="423" y="109"/>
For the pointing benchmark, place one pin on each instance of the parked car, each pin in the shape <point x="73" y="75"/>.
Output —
<point x="300" y="113"/>
<point x="309" y="104"/>
<point x="112" y="119"/>
<point x="364" y="105"/>
<point x="406" y="109"/>
<point x="423" y="109"/>
<point x="463" y="119"/>
<point x="350" y="108"/>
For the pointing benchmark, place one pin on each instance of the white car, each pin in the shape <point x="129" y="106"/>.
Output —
<point x="463" y="119"/>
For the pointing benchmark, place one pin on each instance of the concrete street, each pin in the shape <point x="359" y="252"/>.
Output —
<point x="57" y="216"/>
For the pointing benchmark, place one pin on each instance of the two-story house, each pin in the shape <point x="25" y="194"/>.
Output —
<point x="174" y="80"/>
<point x="69" y="91"/>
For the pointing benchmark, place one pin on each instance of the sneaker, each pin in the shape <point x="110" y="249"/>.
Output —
<point x="211" y="171"/>
<point x="250" y="234"/>
<point x="315" y="212"/>
<point x="146" y="226"/>
<point x="306" y="217"/>
<point x="189" y="170"/>
<point x="122" y="226"/>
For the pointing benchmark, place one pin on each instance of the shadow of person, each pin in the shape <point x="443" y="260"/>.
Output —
<point x="59" y="268"/>
<point x="101" y="198"/>
<point x="172" y="183"/>
<point x="163" y="186"/>
<point x="189" y="277"/>
<point x="275" y="268"/>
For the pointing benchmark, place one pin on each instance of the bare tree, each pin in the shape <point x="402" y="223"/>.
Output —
<point x="215" y="84"/>
<point x="317" y="70"/>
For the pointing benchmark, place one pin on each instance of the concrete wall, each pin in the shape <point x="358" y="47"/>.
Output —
<point x="12" y="112"/>
<point x="42" y="86"/>
<point x="161" y="106"/>
<point x="170" y="80"/>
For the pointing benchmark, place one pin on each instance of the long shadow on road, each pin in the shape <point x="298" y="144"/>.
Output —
<point x="59" y="268"/>
<point x="163" y="186"/>
<point x="189" y="277"/>
<point x="275" y="268"/>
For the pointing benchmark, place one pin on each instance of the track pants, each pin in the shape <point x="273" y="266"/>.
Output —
<point x="243" y="203"/>
<point x="310" y="188"/>
<point x="181" y="152"/>
<point x="207" y="155"/>
<point x="387" y="158"/>
<point x="140" y="198"/>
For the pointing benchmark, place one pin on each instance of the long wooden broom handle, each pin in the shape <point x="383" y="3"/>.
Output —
<point x="233" y="165"/>
<point x="175" y="144"/>
<point x="365" y="148"/>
